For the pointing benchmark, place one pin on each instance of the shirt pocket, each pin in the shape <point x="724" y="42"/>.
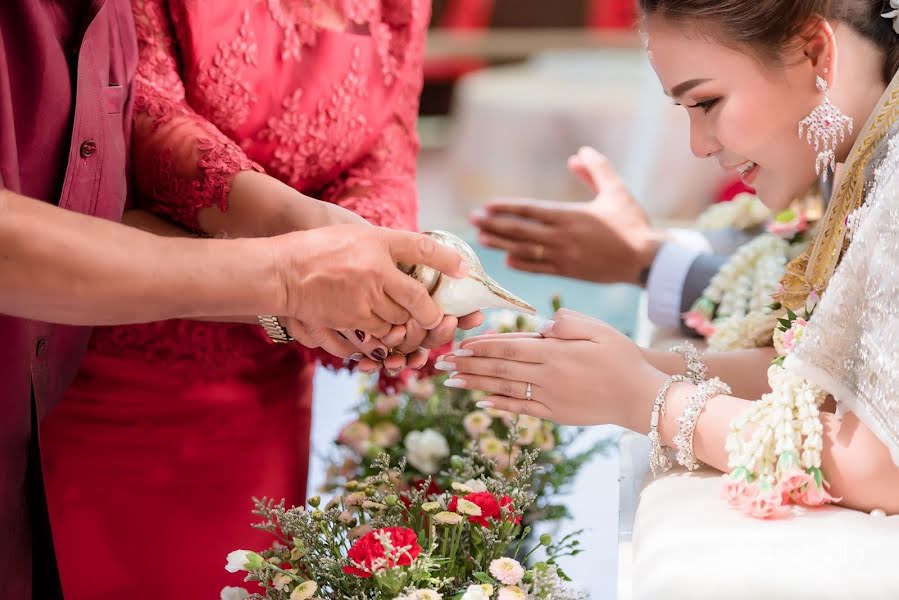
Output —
<point x="113" y="187"/>
<point x="114" y="99"/>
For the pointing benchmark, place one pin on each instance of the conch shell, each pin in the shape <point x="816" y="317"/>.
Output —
<point x="460" y="297"/>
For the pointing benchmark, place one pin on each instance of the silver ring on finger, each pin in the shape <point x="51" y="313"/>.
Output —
<point x="529" y="391"/>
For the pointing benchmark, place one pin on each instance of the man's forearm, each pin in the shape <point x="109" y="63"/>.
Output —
<point x="63" y="267"/>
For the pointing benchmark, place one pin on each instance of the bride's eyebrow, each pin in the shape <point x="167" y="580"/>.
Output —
<point x="682" y="88"/>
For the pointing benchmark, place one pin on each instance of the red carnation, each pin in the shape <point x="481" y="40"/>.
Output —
<point x="368" y="555"/>
<point x="490" y="508"/>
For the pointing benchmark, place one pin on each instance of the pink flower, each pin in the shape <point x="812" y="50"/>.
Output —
<point x="737" y="492"/>
<point x="385" y="403"/>
<point x="699" y="322"/>
<point x="817" y="496"/>
<point x="356" y="435"/>
<point x="788" y="224"/>
<point x="766" y="504"/>
<point x="792" y="335"/>
<point x="792" y="483"/>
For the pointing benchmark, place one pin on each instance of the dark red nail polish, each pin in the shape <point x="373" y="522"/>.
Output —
<point x="379" y="354"/>
<point x="360" y="334"/>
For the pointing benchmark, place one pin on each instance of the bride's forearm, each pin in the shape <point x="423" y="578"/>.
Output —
<point x="857" y="465"/>
<point x="261" y="206"/>
<point x="745" y="371"/>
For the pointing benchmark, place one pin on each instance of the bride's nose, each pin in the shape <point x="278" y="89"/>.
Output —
<point x="702" y="141"/>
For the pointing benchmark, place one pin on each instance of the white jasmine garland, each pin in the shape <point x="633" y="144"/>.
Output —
<point x="745" y="211"/>
<point x="780" y="461"/>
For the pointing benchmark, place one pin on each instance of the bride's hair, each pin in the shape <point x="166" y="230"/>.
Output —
<point x="769" y="25"/>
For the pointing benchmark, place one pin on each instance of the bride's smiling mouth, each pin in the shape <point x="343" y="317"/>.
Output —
<point x="747" y="171"/>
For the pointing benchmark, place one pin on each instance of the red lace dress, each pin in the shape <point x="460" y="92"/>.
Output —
<point x="170" y="428"/>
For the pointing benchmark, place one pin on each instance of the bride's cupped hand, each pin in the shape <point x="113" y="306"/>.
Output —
<point x="581" y="371"/>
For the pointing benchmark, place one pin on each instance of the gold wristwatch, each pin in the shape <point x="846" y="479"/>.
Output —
<point x="274" y="329"/>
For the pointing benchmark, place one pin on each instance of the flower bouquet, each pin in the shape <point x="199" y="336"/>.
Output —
<point x="377" y="539"/>
<point x="426" y="423"/>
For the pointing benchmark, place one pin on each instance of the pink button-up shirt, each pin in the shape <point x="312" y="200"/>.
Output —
<point x="66" y="70"/>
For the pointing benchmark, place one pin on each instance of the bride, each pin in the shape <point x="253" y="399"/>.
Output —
<point x="750" y="74"/>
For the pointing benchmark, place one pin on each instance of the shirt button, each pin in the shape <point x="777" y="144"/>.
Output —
<point x="41" y="347"/>
<point x="88" y="148"/>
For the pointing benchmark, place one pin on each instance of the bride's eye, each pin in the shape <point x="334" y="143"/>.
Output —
<point x="705" y="105"/>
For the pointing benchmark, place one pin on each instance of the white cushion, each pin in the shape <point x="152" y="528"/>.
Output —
<point x="687" y="543"/>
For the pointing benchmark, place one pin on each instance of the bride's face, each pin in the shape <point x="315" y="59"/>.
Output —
<point x="743" y="113"/>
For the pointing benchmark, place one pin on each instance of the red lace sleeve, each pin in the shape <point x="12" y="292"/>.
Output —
<point x="183" y="162"/>
<point x="381" y="186"/>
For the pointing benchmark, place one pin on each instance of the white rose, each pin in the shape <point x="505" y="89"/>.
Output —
<point x="425" y="449"/>
<point x="234" y="593"/>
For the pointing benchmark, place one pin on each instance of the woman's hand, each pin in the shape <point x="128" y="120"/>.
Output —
<point x="407" y="346"/>
<point x="608" y="240"/>
<point x="581" y="371"/>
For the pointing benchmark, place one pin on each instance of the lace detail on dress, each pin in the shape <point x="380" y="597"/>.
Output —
<point x="310" y="146"/>
<point x="224" y="78"/>
<point x="186" y="163"/>
<point x="297" y="23"/>
<point x="851" y="346"/>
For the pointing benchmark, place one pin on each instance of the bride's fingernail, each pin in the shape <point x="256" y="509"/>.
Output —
<point x="484" y="404"/>
<point x="361" y="335"/>
<point x="454" y="383"/>
<point x="461" y="353"/>
<point x="443" y="365"/>
<point x="546" y="327"/>
<point x="463" y="268"/>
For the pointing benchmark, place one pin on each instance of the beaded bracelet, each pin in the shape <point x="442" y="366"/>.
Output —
<point x="683" y="441"/>
<point x="696" y="369"/>
<point x="658" y="459"/>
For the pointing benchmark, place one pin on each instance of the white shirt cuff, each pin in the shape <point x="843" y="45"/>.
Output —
<point x="692" y="239"/>
<point x="665" y="285"/>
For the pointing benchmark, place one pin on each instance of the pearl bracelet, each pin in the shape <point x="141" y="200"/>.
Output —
<point x="658" y="459"/>
<point x="683" y="441"/>
<point x="696" y="369"/>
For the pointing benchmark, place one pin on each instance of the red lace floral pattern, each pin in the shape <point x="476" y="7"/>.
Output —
<point x="225" y="86"/>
